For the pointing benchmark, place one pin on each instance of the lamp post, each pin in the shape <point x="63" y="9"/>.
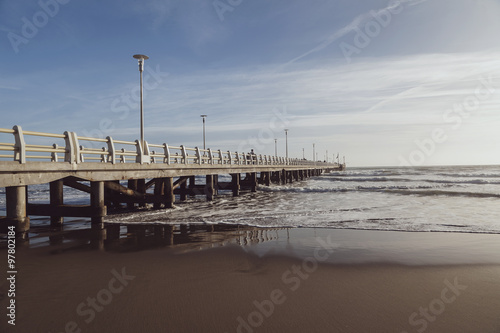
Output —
<point x="286" y="141"/>
<point x="303" y="153"/>
<point x="141" y="58"/>
<point x="204" y="145"/>
<point x="314" y="152"/>
<point x="275" y="147"/>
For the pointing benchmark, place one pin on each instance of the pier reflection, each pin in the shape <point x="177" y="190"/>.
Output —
<point x="138" y="237"/>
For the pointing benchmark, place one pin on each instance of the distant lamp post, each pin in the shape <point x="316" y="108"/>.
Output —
<point x="314" y="152"/>
<point x="141" y="58"/>
<point x="204" y="143"/>
<point x="286" y="142"/>
<point x="275" y="147"/>
<point x="303" y="153"/>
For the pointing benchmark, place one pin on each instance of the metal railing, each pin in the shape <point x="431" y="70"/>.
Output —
<point x="118" y="151"/>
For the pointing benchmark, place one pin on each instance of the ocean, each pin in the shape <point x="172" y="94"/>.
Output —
<point x="443" y="198"/>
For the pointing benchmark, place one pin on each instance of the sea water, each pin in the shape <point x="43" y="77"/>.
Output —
<point x="444" y="198"/>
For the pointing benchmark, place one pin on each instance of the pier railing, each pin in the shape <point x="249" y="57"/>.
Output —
<point x="78" y="149"/>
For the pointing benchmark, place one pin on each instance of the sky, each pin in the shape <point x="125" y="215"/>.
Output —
<point x="383" y="83"/>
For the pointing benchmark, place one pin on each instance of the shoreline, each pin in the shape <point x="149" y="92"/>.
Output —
<point x="289" y="280"/>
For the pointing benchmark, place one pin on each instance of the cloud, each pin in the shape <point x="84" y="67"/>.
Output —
<point x="354" y="25"/>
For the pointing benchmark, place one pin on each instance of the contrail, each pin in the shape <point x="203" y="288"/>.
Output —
<point x="355" y="24"/>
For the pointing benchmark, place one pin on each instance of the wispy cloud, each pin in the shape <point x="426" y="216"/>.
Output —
<point x="355" y="24"/>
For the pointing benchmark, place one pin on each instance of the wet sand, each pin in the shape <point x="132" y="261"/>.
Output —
<point x="284" y="284"/>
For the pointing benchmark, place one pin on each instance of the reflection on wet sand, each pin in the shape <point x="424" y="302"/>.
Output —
<point x="136" y="237"/>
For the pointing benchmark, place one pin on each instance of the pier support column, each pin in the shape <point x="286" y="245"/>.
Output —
<point x="141" y="188"/>
<point x="183" y="188"/>
<point x="209" y="187"/>
<point x="97" y="203"/>
<point x="283" y="177"/>
<point x="192" y="184"/>
<point x="267" y="178"/>
<point x="56" y="199"/>
<point x="235" y="184"/>
<point x="159" y="190"/>
<point x="216" y="184"/>
<point x="169" y="196"/>
<point x="16" y="209"/>
<point x="253" y="181"/>
<point x="132" y="184"/>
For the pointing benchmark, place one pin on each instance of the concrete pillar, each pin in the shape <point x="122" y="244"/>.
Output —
<point x="56" y="199"/>
<point x="97" y="203"/>
<point x="267" y="178"/>
<point x="283" y="177"/>
<point x="159" y="188"/>
<point x="253" y="182"/>
<point x="192" y="184"/>
<point x="235" y="184"/>
<point x="16" y="209"/>
<point x="141" y="188"/>
<point x="169" y="192"/>
<point x="209" y="187"/>
<point x="132" y="184"/>
<point x="183" y="188"/>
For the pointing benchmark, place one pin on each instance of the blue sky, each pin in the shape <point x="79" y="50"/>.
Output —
<point x="410" y="82"/>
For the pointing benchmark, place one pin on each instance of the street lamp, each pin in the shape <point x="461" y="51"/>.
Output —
<point x="286" y="140"/>
<point x="275" y="147"/>
<point x="141" y="58"/>
<point x="204" y="116"/>
<point x="314" y="152"/>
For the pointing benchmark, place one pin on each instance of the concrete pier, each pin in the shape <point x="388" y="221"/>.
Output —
<point x="56" y="199"/>
<point x="128" y="174"/>
<point x="17" y="209"/>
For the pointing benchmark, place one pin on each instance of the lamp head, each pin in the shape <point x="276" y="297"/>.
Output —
<point x="141" y="58"/>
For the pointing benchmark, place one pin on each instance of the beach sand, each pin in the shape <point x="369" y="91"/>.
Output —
<point x="236" y="289"/>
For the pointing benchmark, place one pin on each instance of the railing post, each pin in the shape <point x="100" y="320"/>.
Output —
<point x="80" y="152"/>
<point x="139" y="158"/>
<point x="20" y="145"/>
<point x="198" y="154"/>
<point x="72" y="154"/>
<point x="103" y="155"/>
<point x="122" y="157"/>
<point x="53" y="155"/>
<point x="147" y="155"/>
<point x="111" y="150"/>
<point x="229" y="157"/>
<point x="238" y="158"/>
<point x="210" y="156"/>
<point x="221" y="157"/>
<point x="166" y="151"/>
<point x="184" y="155"/>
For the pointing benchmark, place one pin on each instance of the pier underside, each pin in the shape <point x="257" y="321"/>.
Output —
<point x="121" y="189"/>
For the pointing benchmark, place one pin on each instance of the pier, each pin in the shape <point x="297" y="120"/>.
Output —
<point x="127" y="175"/>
